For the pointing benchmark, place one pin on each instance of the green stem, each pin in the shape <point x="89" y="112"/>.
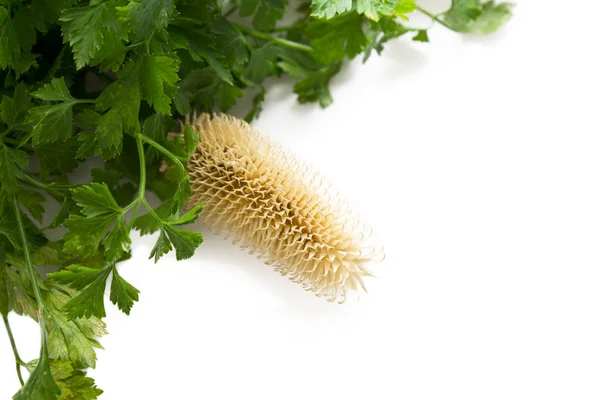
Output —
<point x="42" y="310"/>
<point x="18" y="360"/>
<point x="85" y="101"/>
<point x="142" y="187"/>
<point x="151" y="210"/>
<point x="55" y="189"/>
<point x="279" y="41"/>
<point x="55" y="65"/>
<point x="16" y="142"/>
<point x="166" y="152"/>
<point x="288" y="27"/>
<point x="434" y="17"/>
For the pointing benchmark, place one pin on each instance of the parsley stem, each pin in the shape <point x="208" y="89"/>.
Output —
<point x="33" y="277"/>
<point x="288" y="27"/>
<point x="166" y="152"/>
<point x="434" y="17"/>
<point x="279" y="41"/>
<point x="18" y="360"/>
<point x="142" y="187"/>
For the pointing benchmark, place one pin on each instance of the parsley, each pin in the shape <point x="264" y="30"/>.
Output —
<point x="112" y="78"/>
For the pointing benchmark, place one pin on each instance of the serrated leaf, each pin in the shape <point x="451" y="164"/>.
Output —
<point x="184" y="242"/>
<point x="404" y="7"/>
<point x="421" y="36"/>
<point x="85" y="234"/>
<point x="492" y="17"/>
<point x="57" y="158"/>
<point x="33" y="202"/>
<point x="147" y="16"/>
<point x="158" y="81"/>
<point x="335" y="39"/>
<point x="473" y="16"/>
<point x="13" y="109"/>
<point x="41" y="384"/>
<point x="12" y="162"/>
<point x="373" y="9"/>
<point x="72" y="340"/>
<point x="264" y="13"/>
<point x="188" y="218"/>
<point x="117" y="242"/>
<point x="92" y="31"/>
<point x="90" y="300"/>
<point x="315" y="87"/>
<point x="123" y="96"/>
<point x="122" y="293"/>
<point x="95" y="199"/>
<point x="73" y="383"/>
<point x="261" y="64"/>
<point x="329" y="8"/>
<point x="52" y="122"/>
<point x="190" y="138"/>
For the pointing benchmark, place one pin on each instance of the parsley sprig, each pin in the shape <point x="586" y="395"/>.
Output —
<point x="110" y="79"/>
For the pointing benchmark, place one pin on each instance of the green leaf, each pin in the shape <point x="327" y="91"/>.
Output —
<point x="122" y="294"/>
<point x="202" y="88"/>
<point x="52" y="122"/>
<point x="57" y="158"/>
<point x="315" y="87"/>
<point x="147" y="16"/>
<point x="33" y="202"/>
<point x="73" y="383"/>
<point x="262" y="63"/>
<point x="473" y="16"/>
<point x="16" y="41"/>
<point x="492" y="18"/>
<point x="190" y="138"/>
<point x="184" y="242"/>
<point x="188" y="218"/>
<point x="372" y="9"/>
<point x="92" y="31"/>
<point x="421" y="36"/>
<point x="158" y="81"/>
<point x="85" y="234"/>
<point x="95" y="199"/>
<point x="123" y="97"/>
<point x="381" y="32"/>
<point x="13" y="109"/>
<point x="161" y="247"/>
<point x="257" y="102"/>
<point x="334" y="39"/>
<point x="72" y="340"/>
<point x="92" y="283"/>
<point x="77" y="276"/>
<point x="12" y="162"/>
<point x="117" y="242"/>
<point x="404" y="7"/>
<point x="329" y="8"/>
<point x="264" y="13"/>
<point x="41" y="384"/>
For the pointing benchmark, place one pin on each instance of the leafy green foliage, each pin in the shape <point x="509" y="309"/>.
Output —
<point x="113" y="79"/>
<point x="475" y="16"/>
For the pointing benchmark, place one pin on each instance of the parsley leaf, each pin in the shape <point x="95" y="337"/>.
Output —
<point x="158" y="81"/>
<point x="12" y="162"/>
<point x="264" y="13"/>
<point x="147" y="16"/>
<point x="92" y="31"/>
<point x="473" y="16"/>
<point x="52" y="122"/>
<point x="41" y="384"/>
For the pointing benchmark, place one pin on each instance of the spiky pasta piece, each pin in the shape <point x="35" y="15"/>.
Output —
<point x="275" y="206"/>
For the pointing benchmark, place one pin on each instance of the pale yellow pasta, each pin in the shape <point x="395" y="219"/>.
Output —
<point x="275" y="206"/>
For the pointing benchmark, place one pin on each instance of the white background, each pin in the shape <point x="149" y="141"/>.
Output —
<point x="477" y="163"/>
